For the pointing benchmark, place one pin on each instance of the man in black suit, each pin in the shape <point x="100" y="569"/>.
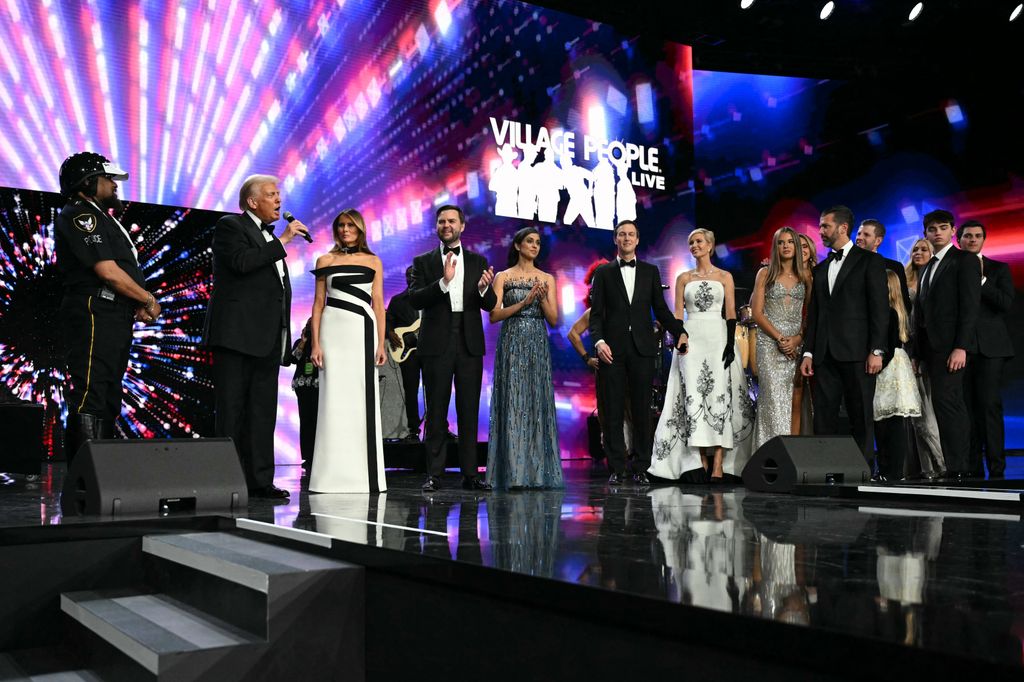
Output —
<point x="402" y="313"/>
<point x="247" y="327"/>
<point x="846" y="331"/>
<point x="984" y="372"/>
<point x="625" y="292"/>
<point x="945" y="331"/>
<point x="451" y="285"/>
<point x="870" y="236"/>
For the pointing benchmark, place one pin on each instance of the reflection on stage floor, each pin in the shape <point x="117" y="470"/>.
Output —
<point x="927" y="575"/>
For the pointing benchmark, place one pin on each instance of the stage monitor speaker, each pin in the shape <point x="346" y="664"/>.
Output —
<point x="787" y="461"/>
<point x="155" y="476"/>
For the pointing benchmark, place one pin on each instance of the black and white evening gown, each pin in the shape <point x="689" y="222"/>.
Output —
<point x="349" y="455"/>
<point x="706" y="404"/>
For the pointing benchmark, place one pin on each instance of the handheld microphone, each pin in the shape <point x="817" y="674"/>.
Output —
<point x="289" y="217"/>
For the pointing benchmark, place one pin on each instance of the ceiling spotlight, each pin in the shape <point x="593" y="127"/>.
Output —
<point x="915" y="12"/>
<point x="1016" y="11"/>
<point x="745" y="4"/>
<point x="826" y="11"/>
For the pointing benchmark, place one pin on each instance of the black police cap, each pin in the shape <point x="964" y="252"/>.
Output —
<point x="79" y="167"/>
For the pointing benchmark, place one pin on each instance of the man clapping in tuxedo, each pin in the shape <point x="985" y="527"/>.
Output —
<point x="451" y="285"/>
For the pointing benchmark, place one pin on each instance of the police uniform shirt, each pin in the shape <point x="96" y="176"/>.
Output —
<point x="85" y="235"/>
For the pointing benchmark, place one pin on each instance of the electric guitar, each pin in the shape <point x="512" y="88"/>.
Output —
<point x="407" y="342"/>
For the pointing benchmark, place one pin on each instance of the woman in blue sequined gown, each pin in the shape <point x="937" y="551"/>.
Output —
<point x="522" y="447"/>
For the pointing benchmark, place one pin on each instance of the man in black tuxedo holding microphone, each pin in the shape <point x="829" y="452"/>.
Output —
<point x="451" y="285"/>
<point x="625" y="293"/>
<point x="247" y="326"/>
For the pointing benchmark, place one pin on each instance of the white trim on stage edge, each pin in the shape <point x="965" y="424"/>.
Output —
<point x="979" y="495"/>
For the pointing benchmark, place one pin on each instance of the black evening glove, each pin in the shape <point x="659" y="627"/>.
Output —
<point x="729" y="354"/>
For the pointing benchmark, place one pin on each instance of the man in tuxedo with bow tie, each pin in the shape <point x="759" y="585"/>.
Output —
<point x="847" y="326"/>
<point x="984" y="371"/>
<point x="247" y="327"/>
<point x="451" y="285"/>
<point x="945" y="332"/>
<point x="624" y="294"/>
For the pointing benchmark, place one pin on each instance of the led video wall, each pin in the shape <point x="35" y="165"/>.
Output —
<point x="521" y="115"/>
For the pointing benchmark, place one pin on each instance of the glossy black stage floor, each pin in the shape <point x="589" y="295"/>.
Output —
<point x="593" y="582"/>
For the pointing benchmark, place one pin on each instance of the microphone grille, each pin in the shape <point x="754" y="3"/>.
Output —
<point x="288" y="216"/>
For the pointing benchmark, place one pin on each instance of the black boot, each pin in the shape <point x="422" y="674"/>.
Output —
<point x="81" y="427"/>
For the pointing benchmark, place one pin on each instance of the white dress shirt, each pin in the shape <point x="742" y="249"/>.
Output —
<point x="628" y="277"/>
<point x="454" y="289"/>
<point x="981" y="262"/>
<point x="269" y="237"/>
<point x="835" y="265"/>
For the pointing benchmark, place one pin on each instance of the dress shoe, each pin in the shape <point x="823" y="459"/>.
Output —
<point x="616" y="479"/>
<point x="269" y="492"/>
<point x="641" y="479"/>
<point x="475" y="483"/>
<point x="431" y="485"/>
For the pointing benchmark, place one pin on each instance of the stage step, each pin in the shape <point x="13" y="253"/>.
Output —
<point x="257" y="565"/>
<point x="154" y="630"/>
<point x="224" y="606"/>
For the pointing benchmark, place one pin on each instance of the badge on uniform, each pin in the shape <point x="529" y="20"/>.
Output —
<point x="85" y="222"/>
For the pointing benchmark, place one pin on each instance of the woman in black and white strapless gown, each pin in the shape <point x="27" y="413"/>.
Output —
<point x="348" y="346"/>
<point x="708" y="419"/>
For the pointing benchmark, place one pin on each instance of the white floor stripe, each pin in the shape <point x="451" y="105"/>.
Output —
<point x="987" y="495"/>
<point x="307" y="536"/>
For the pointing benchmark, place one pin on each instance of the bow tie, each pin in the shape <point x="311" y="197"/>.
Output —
<point x="836" y="255"/>
<point x="457" y="250"/>
<point x="268" y="227"/>
<point x="627" y="263"/>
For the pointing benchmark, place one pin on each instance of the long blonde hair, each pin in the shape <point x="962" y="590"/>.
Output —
<point x="911" y="269"/>
<point x="896" y="303"/>
<point x="775" y="261"/>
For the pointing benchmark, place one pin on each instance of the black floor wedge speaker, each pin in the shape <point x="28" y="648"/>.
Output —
<point x="787" y="461"/>
<point x="154" y="476"/>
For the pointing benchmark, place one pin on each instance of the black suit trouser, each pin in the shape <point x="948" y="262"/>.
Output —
<point x="439" y="371"/>
<point x="411" y="388"/>
<point x="245" y="398"/>
<point x="950" y="409"/>
<point x="98" y="334"/>
<point x="836" y="381"/>
<point x="982" y="380"/>
<point x="629" y="376"/>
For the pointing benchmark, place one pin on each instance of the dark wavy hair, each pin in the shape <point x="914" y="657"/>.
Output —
<point x="588" y="279"/>
<point x="513" y="254"/>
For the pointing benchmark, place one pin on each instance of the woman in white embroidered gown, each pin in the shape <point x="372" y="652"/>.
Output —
<point x="708" y="418"/>
<point x="348" y="346"/>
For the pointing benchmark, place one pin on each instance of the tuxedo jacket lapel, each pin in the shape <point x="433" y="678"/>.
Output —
<point x="621" y="285"/>
<point x="943" y="265"/>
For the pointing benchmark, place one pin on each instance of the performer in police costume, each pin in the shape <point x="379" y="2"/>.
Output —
<point x="104" y="294"/>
